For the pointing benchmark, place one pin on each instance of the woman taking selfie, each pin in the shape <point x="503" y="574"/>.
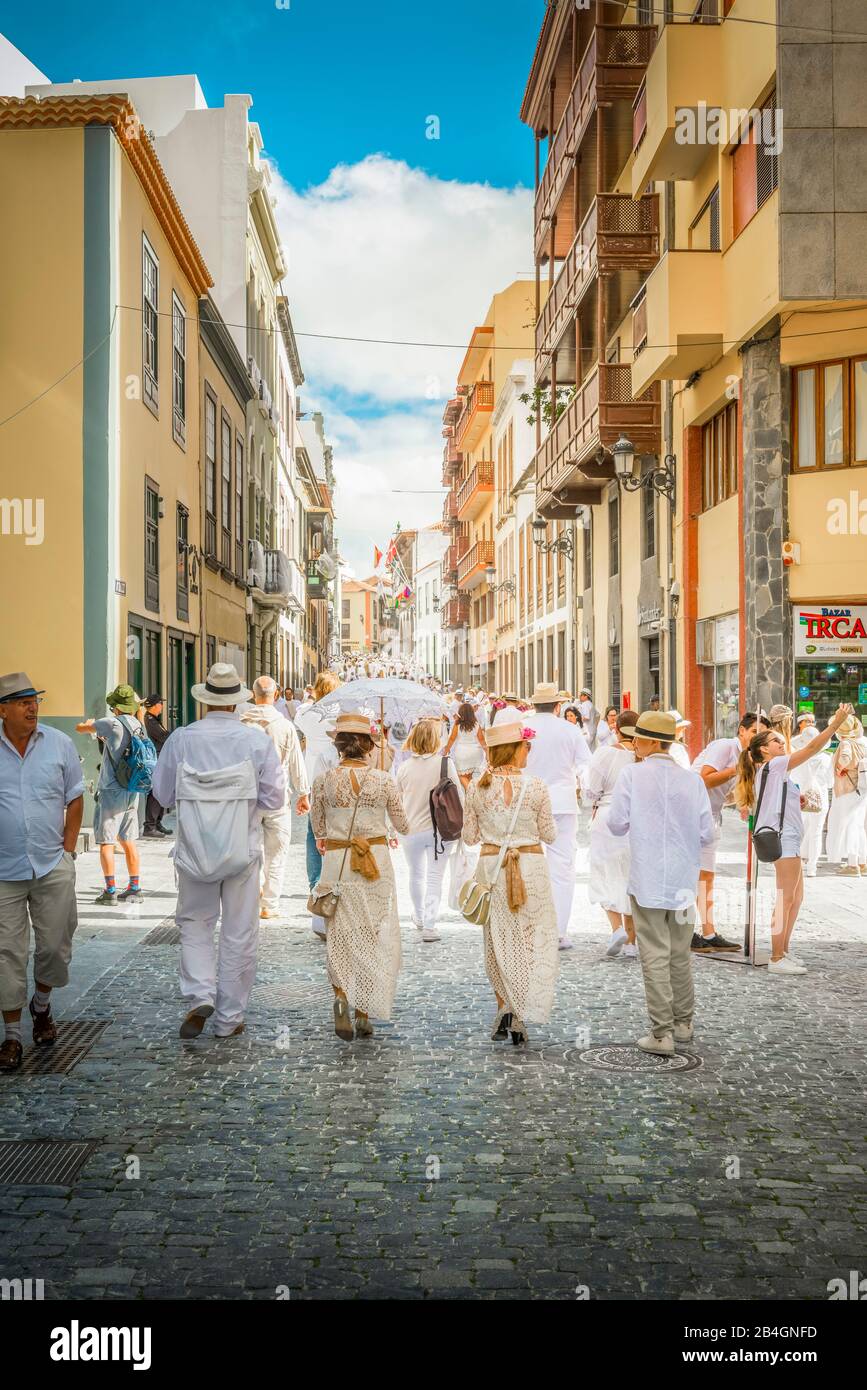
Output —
<point x="508" y="810"/>
<point x="764" y="783"/>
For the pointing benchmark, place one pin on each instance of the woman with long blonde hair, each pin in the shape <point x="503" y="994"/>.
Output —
<point x="507" y="810"/>
<point x="764" y="769"/>
<point x="426" y="859"/>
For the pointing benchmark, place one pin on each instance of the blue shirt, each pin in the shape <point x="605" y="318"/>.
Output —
<point x="34" y="793"/>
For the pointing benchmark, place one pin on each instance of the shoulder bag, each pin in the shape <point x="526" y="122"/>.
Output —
<point x="768" y="842"/>
<point x="474" y="899"/>
<point x="324" y="903"/>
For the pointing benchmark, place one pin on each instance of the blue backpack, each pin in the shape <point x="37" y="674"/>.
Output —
<point x="134" y="772"/>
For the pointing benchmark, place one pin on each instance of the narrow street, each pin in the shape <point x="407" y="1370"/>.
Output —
<point x="430" y="1162"/>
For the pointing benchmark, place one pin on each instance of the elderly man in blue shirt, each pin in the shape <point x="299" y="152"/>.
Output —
<point x="41" y="805"/>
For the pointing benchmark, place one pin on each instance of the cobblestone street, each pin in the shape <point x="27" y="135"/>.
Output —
<point x="430" y="1162"/>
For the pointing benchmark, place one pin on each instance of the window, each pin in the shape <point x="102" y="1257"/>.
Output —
<point x="614" y="681"/>
<point x="210" y="651"/>
<point x="210" y="475"/>
<point x="588" y="556"/>
<point x="704" y="233"/>
<point x="150" y="325"/>
<point x="645" y="12"/>
<point x="588" y="670"/>
<point x="719" y="442"/>
<point x="344" y="608"/>
<point x="239" y="506"/>
<point x="179" y="371"/>
<point x="829" y="414"/>
<point x="183" y="582"/>
<point x="755" y="166"/>
<point x="226" y="491"/>
<point x="648" y="508"/>
<point x="705" y="12"/>
<point x="614" y="534"/>
<point x="152" y="546"/>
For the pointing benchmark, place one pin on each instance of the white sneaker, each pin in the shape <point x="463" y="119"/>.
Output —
<point x="565" y="944"/>
<point x="618" y="939"/>
<point x="417" y="924"/>
<point x="683" y="1032"/>
<point x="430" y="934"/>
<point x="663" y="1047"/>
<point x="793" y="960"/>
<point x="629" y="952"/>
<point x="785" y="966"/>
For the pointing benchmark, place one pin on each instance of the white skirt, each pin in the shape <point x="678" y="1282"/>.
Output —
<point x="609" y="866"/>
<point x="847" y="836"/>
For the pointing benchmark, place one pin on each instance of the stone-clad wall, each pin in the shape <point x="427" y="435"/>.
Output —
<point x="767" y="462"/>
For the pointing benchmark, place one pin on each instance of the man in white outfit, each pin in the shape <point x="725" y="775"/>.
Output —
<point x="557" y="754"/>
<point x="216" y="742"/>
<point x="277" y="825"/>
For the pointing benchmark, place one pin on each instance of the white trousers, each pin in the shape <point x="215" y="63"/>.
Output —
<point x="225" y="984"/>
<point x="561" y="867"/>
<point x="277" y="837"/>
<point x="811" y="845"/>
<point x="426" y="874"/>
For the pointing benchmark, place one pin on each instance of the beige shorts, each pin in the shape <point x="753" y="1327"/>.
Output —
<point x="48" y="905"/>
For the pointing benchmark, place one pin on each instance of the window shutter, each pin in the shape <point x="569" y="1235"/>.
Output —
<point x="767" y="162"/>
<point x="743" y="185"/>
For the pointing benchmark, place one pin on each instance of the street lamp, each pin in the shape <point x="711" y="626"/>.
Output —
<point x="661" y="478"/>
<point x="561" y="545"/>
<point x="507" y="586"/>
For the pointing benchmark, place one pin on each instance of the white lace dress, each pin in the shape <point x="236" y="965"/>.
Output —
<point x="520" y="947"/>
<point x="609" y="854"/>
<point x="363" y="936"/>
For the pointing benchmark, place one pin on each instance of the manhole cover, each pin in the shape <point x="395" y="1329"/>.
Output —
<point x="74" y="1040"/>
<point x="623" y="1058"/>
<point x="52" y="1162"/>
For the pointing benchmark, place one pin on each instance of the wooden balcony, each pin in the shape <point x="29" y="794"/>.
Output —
<point x="456" y="612"/>
<point x="602" y="409"/>
<point x="450" y="508"/>
<point x="611" y="69"/>
<point x="452" y="461"/>
<point x="478" y="405"/>
<point x="618" y="233"/>
<point x="452" y="558"/>
<point x="471" y="569"/>
<point x="476" y="488"/>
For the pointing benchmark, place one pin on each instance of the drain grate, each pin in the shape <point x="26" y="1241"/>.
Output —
<point x="623" y="1058"/>
<point x="49" y="1162"/>
<point x="74" y="1041"/>
<point x="166" y="934"/>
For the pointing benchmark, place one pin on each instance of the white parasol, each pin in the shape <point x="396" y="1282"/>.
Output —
<point x="389" y="699"/>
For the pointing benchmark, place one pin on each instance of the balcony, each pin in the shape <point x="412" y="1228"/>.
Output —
<point x="452" y="558"/>
<point x="686" y="72"/>
<point x="255" y="565"/>
<point x="602" y="409"/>
<point x="456" y="612"/>
<point x="475" y="490"/>
<point x="685" y="317"/>
<point x="611" y="69"/>
<point x="471" y="570"/>
<point x="450" y="508"/>
<point x="618" y="232"/>
<point x="452" y="460"/>
<point x="478" y="405"/>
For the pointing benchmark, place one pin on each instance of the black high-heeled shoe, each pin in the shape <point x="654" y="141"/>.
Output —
<point x="502" y="1024"/>
<point x="518" y="1031"/>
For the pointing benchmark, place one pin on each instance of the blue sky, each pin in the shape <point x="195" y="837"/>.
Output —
<point x="331" y="80"/>
<point x="389" y="234"/>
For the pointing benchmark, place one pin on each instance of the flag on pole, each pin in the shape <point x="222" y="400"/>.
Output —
<point x="377" y="557"/>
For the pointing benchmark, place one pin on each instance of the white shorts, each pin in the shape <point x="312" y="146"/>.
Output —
<point x="708" y="854"/>
<point x="791" y="842"/>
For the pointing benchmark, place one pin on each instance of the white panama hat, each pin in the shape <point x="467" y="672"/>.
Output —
<point x="222" y="686"/>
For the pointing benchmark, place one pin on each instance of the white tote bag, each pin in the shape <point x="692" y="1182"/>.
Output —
<point x="212" y="841"/>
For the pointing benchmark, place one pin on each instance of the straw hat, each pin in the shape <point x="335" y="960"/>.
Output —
<point x="679" y="719"/>
<point x="656" y="724"/>
<point x="511" y="732"/>
<point x="546" y="693"/>
<point x="350" y="724"/>
<point x="777" y="713"/>
<point x="851" y="728"/>
<point x="222" y="687"/>
<point x="510" y="697"/>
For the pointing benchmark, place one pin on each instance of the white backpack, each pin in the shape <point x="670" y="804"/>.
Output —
<point x="212" y="841"/>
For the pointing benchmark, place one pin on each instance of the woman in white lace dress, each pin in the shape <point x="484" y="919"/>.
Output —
<point x="609" y="854"/>
<point x="521" y="943"/>
<point x="363" y="936"/>
<point x="847" y="836"/>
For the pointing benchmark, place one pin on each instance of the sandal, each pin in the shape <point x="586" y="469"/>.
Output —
<point x="502" y="1024"/>
<point x="363" y="1026"/>
<point x="342" y="1021"/>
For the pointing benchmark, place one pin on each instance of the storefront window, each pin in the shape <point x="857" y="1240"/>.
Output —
<point x="726" y="713"/>
<point x="821" y="688"/>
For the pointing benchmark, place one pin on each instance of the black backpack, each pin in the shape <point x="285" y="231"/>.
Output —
<point x="446" y="810"/>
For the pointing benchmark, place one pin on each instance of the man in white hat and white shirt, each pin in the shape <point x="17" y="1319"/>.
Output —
<point x="665" y="812"/>
<point x="678" y="749"/>
<point x="277" y="825"/>
<point x="557" y="754"/>
<point x="218" y="762"/>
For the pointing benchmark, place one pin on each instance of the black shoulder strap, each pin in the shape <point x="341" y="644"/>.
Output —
<point x="124" y="744"/>
<point x="762" y="784"/>
<point x="783" y="802"/>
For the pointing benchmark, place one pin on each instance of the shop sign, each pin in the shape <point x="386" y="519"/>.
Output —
<point x="829" y="632"/>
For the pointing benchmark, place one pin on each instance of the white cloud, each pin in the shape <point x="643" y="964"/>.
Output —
<point x="381" y="250"/>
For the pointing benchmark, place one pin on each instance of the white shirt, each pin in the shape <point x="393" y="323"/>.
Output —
<point x="221" y="740"/>
<point x="416" y="779"/>
<point x="665" y="812"/>
<point x="679" y="754"/>
<point x="769" y="814"/>
<point x="605" y="734"/>
<point x="817" y="773"/>
<point x="282" y="734"/>
<point x="722" y="753"/>
<point x="605" y="767"/>
<point x="558" y="754"/>
<point x="315" y="730"/>
<point x="35" y="790"/>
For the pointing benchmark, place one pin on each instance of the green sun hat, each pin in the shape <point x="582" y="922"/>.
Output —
<point x="123" y="698"/>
